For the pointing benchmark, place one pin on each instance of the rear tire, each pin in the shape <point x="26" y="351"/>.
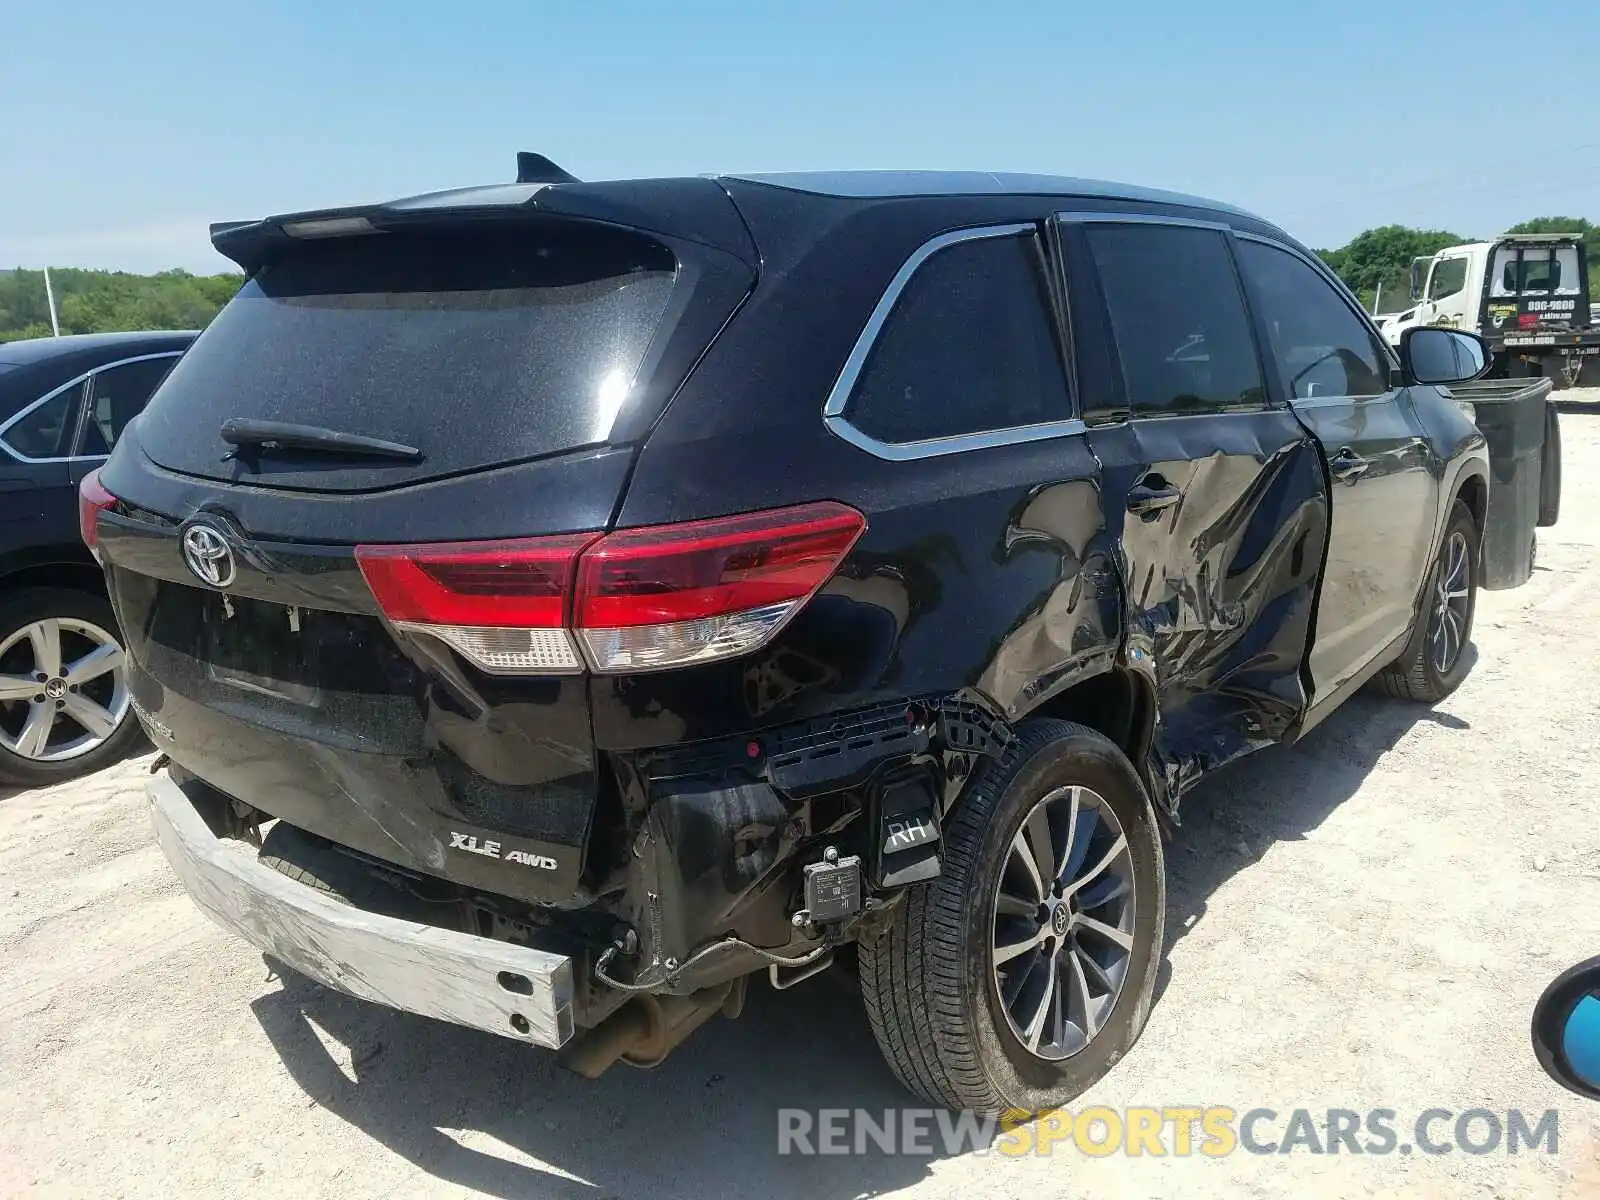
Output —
<point x="319" y="864"/>
<point x="1435" y="661"/>
<point x="80" y="622"/>
<point x="936" y="979"/>
<point x="308" y="859"/>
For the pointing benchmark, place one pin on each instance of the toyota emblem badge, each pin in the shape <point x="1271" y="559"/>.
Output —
<point x="207" y="554"/>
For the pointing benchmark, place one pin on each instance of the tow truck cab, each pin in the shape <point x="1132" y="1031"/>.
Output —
<point x="1526" y="294"/>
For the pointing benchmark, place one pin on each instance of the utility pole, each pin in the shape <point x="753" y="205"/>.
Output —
<point x="50" y="298"/>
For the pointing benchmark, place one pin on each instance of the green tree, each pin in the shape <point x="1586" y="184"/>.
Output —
<point x="1383" y="256"/>
<point x="103" y="301"/>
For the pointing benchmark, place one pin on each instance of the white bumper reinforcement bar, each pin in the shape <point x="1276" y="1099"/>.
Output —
<point x="515" y="991"/>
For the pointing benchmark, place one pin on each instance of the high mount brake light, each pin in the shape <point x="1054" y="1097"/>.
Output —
<point x="93" y="499"/>
<point x="637" y="600"/>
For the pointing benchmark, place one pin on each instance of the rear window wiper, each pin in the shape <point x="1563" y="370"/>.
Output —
<point x="248" y="434"/>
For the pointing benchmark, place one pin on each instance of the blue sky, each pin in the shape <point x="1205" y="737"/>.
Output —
<point x="126" y="127"/>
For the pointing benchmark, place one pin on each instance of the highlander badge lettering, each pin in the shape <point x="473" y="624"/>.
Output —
<point x="207" y="555"/>
<point x="491" y="849"/>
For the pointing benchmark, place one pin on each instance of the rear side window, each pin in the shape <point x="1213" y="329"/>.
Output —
<point x="46" y="431"/>
<point x="970" y="346"/>
<point x="117" y="395"/>
<point x="478" y="348"/>
<point x="1322" y="346"/>
<point x="1536" y="275"/>
<point x="1178" y="318"/>
<point x="1539" y="270"/>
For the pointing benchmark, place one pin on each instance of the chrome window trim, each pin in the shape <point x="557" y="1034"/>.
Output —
<point x="5" y="428"/>
<point x="956" y="444"/>
<point x="839" y="397"/>
<point x="1116" y="218"/>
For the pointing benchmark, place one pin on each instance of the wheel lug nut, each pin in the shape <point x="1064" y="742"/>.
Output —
<point x="40" y="676"/>
<point x="39" y="699"/>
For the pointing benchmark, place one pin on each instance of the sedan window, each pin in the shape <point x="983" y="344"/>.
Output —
<point x="45" y="431"/>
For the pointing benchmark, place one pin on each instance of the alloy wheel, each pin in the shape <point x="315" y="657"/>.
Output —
<point x="1447" y="625"/>
<point x="1063" y="922"/>
<point x="63" y="689"/>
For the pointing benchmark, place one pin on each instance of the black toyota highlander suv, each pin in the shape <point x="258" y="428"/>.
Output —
<point x="561" y="601"/>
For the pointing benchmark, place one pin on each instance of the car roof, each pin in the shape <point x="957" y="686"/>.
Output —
<point x="33" y="351"/>
<point x="691" y="207"/>
<point x="895" y="184"/>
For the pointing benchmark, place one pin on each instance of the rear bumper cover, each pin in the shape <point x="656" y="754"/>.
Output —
<point x="514" y="991"/>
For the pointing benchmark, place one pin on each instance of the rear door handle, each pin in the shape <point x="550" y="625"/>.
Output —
<point x="1151" y="496"/>
<point x="1347" y="466"/>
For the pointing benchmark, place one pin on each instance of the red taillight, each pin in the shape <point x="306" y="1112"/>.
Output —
<point x="93" y="499"/>
<point x="524" y="583"/>
<point x="641" y="599"/>
<point x="708" y="568"/>
<point x="501" y="604"/>
<point x="677" y="594"/>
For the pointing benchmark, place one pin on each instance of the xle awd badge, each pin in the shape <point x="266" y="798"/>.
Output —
<point x="491" y="849"/>
<point x="207" y="555"/>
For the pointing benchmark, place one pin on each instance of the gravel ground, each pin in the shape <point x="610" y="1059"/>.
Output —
<point x="1361" y="921"/>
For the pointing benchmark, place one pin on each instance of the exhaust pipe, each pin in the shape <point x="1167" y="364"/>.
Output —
<point x="644" y="1031"/>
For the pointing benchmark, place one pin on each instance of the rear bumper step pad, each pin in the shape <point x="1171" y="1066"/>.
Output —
<point x="514" y="991"/>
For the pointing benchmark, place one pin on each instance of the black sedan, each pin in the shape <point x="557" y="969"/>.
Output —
<point x="64" y="703"/>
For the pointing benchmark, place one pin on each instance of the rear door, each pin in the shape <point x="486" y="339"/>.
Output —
<point x="1336" y="372"/>
<point x="260" y="658"/>
<point x="1218" y="494"/>
<point x="37" y="507"/>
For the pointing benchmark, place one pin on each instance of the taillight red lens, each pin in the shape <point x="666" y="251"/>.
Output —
<point x="640" y="599"/>
<point x="93" y="499"/>
<point x="709" y="568"/>
<point x="518" y="584"/>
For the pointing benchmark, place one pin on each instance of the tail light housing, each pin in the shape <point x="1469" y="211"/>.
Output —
<point x="93" y="499"/>
<point x="643" y="599"/>
<point x="503" y="605"/>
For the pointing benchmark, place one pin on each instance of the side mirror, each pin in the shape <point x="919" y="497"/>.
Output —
<point x="1432" y="354"/>
<point x="1419" y="272"/>
<point x="1566" y="1029"/>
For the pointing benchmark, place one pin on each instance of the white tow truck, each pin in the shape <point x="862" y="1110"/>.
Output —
<point x="1526" y="294"/>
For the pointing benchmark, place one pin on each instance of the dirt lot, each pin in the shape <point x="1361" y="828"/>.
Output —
<point x="1361" y="921"/>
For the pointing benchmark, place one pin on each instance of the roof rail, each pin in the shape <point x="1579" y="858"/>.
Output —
<point x="536" y="168"/>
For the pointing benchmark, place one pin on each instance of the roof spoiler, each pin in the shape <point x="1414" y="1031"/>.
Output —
<point x="536" y="168"/>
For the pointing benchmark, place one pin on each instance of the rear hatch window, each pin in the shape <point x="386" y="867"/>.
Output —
<point x="477" y="348"/>
<point x="1533" y="286"/>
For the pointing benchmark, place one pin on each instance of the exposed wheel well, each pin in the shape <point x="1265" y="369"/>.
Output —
<point x="1475" y="494"/>
<point x="77" y="576"/>
<point x="1116" y="703"/>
